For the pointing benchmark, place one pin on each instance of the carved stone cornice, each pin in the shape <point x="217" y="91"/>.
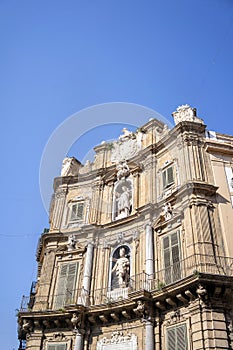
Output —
<point x="219" y="147"/>
<point x="188" y="126"/>
<point x="192" y="139"/>
<point x="61" y="192"/>
<point x="149" y="163"/>
<point x="198" y="187"/>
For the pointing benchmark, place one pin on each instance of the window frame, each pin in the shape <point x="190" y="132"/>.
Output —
<point x="165" y="170"/>
<point x="77" y="204"/>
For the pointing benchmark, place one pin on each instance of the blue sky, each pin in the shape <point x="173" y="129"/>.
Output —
<point x="58" y="57"/>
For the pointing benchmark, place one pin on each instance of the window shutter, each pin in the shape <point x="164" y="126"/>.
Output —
<point x="61" y="347"/>
<point x="56" y="347"/>
<point x="164" y="179"/>
<point x="66" y="284"/>
<point x="51" y="347"/>
<point x="167" y="260"/>
<point x="77" y="211"/>
<point x="80" y="211"/>
<point x="70" y="285"/>
<point x="61" y="287"/>
<point x="171" y="258"/>
<point x="73" y="212"/>
<point x="175" y="248"/>
<point x="177" y="338"/>
<point x="170" y="178"/>
<point x="181" y="335"/>
<point x="171" y="339"/>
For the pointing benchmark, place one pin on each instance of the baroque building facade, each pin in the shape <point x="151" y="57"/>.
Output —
<point x="139" y="252"/>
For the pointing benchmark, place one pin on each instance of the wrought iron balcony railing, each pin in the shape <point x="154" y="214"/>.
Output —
<point x="173" y="273"/>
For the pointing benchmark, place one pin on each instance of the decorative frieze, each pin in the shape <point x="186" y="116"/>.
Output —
<point x="126" y="341"/>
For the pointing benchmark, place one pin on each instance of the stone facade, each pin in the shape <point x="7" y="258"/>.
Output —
<point x="139" y="252"/>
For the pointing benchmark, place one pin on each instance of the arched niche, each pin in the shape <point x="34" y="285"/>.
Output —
<point x="120" y="267"/>
<point x="122" y="199"/>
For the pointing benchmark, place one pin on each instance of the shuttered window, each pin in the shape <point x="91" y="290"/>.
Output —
<point x="168" y="177"/>
<point x="171" y="258"/>
<point x="77" y="211"/>
<point x="56" y="347"/>
<point x="65" y="291"/>
<point x="177" y="338"/>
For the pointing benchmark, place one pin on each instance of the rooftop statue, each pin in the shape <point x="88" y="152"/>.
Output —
<point x="126" y="134"/>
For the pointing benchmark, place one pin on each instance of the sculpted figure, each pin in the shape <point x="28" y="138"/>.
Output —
<point x="121" y="268"/>
<point x="123" y="203"/>
<point x="122" y="170"/>
<point x="66" y="166"/>
<point x="167" y="211"/>
<point x="126" y="134"/>
<point x="71" y="242"/>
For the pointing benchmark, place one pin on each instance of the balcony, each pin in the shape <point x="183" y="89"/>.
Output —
<point x="191" y="266"/>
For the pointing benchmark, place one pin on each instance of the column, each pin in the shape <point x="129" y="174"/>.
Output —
<point x="149" y="251"/>
<point x="78" y="344"/>
<point x="87" y="273"/>
<point x="150" y="341"/>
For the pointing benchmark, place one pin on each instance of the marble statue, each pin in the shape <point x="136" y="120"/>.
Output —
<point x="122" y="170"/>
<point x="71" y="242"/>
<point x="126" y="134"/>
<point x="69" y="167"/>
<point x="123" y="203"/>
<point x="121" y="268"/>
<point x="167" y="211"/>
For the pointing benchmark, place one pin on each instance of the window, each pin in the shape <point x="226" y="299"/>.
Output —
<point x="171" y="258"/>
<point x="65" y="291"/>
<point x="77" y="211"/>
<point x="177" y="338"/>
<point x="56" y="347"/>
<point x="168" y="177"/>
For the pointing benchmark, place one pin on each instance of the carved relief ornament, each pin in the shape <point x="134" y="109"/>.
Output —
<point x="60" y="193"/>
<point x="126" y="148"/>
<point x="186" y="113"/>
<point x="117" y="337"/>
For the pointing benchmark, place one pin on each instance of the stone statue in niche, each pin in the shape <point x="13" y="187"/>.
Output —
<point x="123" y="200"/>
<point x="123" y="203"/>
<point x="122" y="268"/>
<point x="122" y="170"/>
